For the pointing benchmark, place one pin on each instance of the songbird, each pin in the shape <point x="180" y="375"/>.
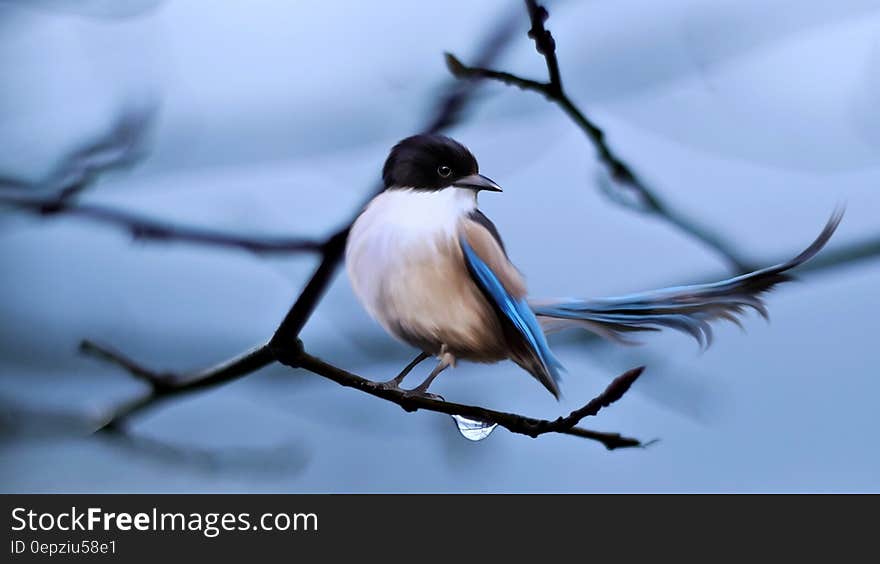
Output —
<point x="432" y="269"/>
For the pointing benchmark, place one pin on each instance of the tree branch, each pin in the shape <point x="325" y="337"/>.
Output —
<point x="165" y="385"/>
<point x="146" y="229"/>
<point x="512" y="422"/>
<point x="619" y="170"/>
<point x="544" y="43"/>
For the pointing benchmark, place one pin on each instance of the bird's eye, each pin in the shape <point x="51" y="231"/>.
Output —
<point x="444" y="171"/>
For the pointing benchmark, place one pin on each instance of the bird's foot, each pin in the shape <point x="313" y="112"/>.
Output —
<point x="421" y="390"/>
<point x="417" y="392"/>
<point x="393" y="384"/>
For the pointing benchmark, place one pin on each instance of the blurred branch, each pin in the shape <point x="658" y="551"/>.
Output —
<point x="165" y="385"/>
<point x="19" y="420"/>
<point x="146" y="229"/>
<point x="450" y="108"/>
<point x="829" y="259"/>
<point x="844" y="254"/>
<point x="648" y="200"/>
<point x="121" y="147"/>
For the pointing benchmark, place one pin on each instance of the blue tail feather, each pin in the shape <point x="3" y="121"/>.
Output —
<point x="689" y="309"/>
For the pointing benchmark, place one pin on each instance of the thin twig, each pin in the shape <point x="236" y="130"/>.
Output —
<point x="619" y="170"/>
<point x="165" y="385"/>
<point x="121" y="146"/>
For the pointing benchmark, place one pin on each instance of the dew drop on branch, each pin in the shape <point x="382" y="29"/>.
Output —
<point x="473" y="429"/>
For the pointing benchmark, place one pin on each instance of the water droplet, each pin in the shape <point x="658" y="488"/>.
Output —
<point x="473" y="429"/>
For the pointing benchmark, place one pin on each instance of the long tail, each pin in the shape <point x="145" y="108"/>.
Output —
<point x="689" y="309"/>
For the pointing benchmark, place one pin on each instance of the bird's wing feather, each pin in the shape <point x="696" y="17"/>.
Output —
<point x="502" y="285"/>
<point x="479" y="217"/>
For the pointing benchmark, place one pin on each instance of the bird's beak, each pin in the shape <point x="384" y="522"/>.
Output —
<point x="477" y="182"/>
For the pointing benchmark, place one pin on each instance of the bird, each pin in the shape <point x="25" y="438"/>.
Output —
<point x="433" y="271"/>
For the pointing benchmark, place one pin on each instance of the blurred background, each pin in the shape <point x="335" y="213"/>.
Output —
<point x="274" y="117"/>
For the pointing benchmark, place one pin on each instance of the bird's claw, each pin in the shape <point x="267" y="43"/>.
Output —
<point x="393" y="385"/>
<point x="417" y="392"/>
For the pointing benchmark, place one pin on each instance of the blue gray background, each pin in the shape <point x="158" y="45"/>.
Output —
<point x="274" y="117"/>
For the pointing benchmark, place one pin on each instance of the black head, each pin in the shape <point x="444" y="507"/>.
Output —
<point x="433" y="162"/>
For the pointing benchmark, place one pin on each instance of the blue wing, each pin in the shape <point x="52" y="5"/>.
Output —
<point x="519" y="314"/>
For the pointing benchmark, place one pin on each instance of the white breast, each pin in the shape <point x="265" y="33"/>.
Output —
<point x="399" y="232"/>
